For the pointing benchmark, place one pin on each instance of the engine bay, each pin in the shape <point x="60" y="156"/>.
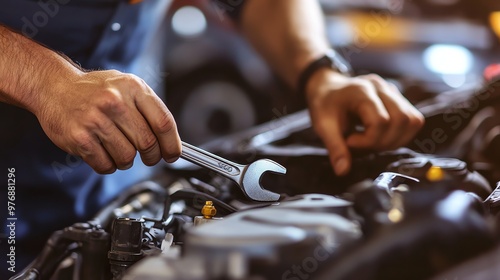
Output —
<point x="426" y="211"/>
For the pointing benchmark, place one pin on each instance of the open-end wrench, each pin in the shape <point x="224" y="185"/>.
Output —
<point x="246" y="176"/>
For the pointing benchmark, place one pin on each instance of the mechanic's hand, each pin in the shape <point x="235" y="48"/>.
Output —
<point x="105" y="117"/>
<point x="335" y="101"/>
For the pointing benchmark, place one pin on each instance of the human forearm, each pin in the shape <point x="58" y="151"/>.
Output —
<point x="288" y="33"/>
<point x="103" y="116"/>
<point x="28" y="69"/>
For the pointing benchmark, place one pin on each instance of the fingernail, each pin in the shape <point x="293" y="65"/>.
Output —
<point x="126" y="167"/>
<point x="341" y="167"/>
<point x="172" y="160"/>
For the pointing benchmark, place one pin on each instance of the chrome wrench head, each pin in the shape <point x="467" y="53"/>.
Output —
<point x="250" y="181"/>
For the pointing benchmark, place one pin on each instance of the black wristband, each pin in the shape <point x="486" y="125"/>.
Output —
<point x="330" y="60"/>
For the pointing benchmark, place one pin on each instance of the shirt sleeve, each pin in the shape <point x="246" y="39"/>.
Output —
<point x="231" y="8"/>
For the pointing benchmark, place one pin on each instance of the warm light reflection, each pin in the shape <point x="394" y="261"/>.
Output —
<point x="495" y="22"/>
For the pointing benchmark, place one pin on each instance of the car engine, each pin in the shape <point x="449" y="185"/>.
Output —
<point x="411" y="213"/>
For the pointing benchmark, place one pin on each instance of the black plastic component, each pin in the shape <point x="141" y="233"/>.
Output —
<point x="371" y="203"/>
<point x="45" y="264"/>
<point x="455" y="172"/>
<point x="126" y="243"/>
<point x="94" y="261"/>
<point x="91" y="239"/>
<point x="419" y="246"/>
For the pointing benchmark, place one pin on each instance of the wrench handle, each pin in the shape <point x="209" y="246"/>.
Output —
<point x="215" y="163"/>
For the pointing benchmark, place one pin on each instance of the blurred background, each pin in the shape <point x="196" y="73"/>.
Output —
<point x="216" y="83"/>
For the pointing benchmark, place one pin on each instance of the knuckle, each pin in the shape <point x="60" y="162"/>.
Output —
<point x="104" y="127"/>
<point x="418" y="121"/>
<point x="375" y="78"/>
<point x="165" y="124"/>
<point x="357" y="87"/>
<point x="112" y="102"/>
<point x="394" y="87"/>
<point x="132" y="78"/>
<point x="381" y="122"/>
<point x="147" y="144"/>
<point x="135" y="82"/>
<point x="362" y="89"/>
<point x="373" y="82"/>
<point x="83" y="143"/>
<point x="113" y="72"/>
<point x="126" y="159"/>
<point x="403" y="120"/>
<point x="414" y="120"/>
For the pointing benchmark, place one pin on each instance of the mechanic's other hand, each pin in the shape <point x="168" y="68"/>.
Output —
<point x="335" y="101"/>
<point x="105" y="117"/>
